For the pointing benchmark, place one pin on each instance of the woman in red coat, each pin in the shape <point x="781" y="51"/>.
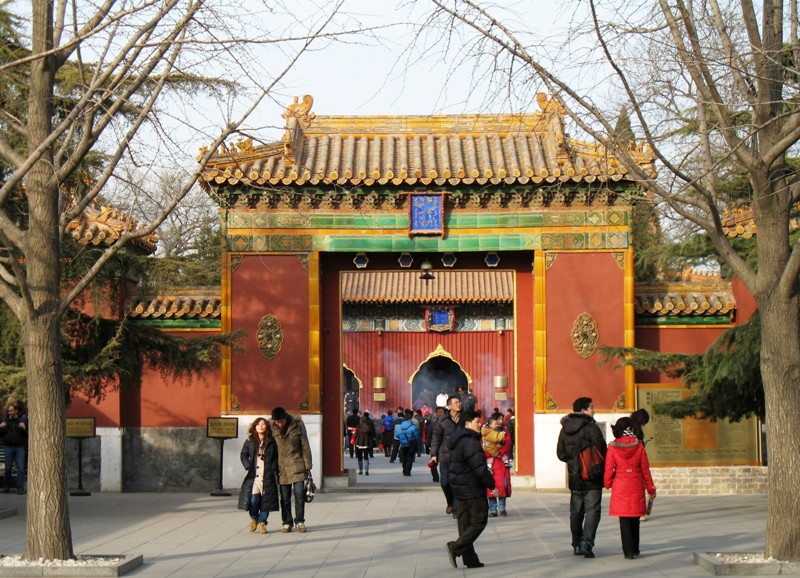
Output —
<point x="628" y="475"/>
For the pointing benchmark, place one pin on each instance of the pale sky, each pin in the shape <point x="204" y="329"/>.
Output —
<point x="391" y="75"/>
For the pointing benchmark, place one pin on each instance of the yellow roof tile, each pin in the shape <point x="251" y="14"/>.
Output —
<point x="683" y="299"/>
<point x="446" y="287"/>
<point x="436" y="149"/>
<point x="190" y="303"/>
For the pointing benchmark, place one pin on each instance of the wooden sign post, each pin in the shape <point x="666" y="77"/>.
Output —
<point x="80" y="428"/>
<point x="222" y="428"/>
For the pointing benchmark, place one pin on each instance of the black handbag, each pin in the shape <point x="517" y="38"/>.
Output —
<point x="310" y="488"/>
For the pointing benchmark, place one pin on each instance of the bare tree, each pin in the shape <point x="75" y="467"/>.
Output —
<point x="711" y="86"/>
<point x="118" y="60"/>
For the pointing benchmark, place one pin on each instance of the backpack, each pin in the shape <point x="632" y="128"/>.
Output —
<point x="406" y="440"/>
<point x="592" y="464"/>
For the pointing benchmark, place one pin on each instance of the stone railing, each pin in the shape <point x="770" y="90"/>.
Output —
<point x="710" y="480"/>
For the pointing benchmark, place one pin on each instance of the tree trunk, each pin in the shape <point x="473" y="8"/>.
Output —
<point x="48" y="533"/>
<point x="780" y="372"/>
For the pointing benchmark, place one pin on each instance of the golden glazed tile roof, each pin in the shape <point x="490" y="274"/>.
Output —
<point x="447" y="287"/>
<point x="741" y="221"/>
<point x="100" y="224"/>
<point x="199" y="303"/>
<point x="410" y="150"/>
<point x="683" y="299"/>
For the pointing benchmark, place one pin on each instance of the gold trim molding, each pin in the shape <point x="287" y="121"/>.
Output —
<point x="358" y="379"/>
<point x="270" y="336"/>
<point x="236" y="260"/>
<point x="620" y="403"/>
<point x="585" y="335"/>
<point x="551" y="403"/>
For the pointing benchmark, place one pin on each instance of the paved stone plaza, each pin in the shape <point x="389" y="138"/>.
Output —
<point x="391" y="533"/>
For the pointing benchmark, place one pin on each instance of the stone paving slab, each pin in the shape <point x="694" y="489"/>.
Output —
<point x="397" y="533"/>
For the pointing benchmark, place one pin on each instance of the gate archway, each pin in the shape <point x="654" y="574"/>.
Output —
<point x="438" y="374"/>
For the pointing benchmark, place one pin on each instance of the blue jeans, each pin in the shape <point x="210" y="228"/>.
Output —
<point x="494" y="502"/>
<point x="15" y="454"/>
<point x="299" y="491"/>
<point x="255" y="507"/>
<point x="584" y="515"/>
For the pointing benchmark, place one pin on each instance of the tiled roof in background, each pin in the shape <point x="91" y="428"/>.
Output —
<point x="446" y="287"/>
<point x="438" y="149"/>
<point x="104" y="225"/>
<point x="683" y="299"/>
<point x="189" y="303"/>
<point x="741" y="221"/>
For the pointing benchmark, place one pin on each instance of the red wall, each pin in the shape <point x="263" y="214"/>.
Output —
<point x="159" y="402"/>
<point x="578" y="283"/>
<point x="673" y="340"/>
<point x="276" y="284"/>
<point x="106" y="413"/>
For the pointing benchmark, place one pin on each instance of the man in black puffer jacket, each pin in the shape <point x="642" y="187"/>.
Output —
<point x="579" y="430"/>
<point x="469" y="479"/>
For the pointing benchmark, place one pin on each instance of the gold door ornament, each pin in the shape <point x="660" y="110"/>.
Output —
<point x="270" y="336"/>
<point x="585" y="335"/>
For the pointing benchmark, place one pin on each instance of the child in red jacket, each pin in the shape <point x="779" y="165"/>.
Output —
<point x="628" y="475"/>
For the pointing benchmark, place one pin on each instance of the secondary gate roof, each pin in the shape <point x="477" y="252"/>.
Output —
<point x="446" y="287"/>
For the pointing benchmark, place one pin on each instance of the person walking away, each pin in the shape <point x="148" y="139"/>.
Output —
<point x="351" y="423"/>
<point x="496" y="447"/>
<point x="259" y="456"/>
<point x="470" y="480"/>
<point x="408" y="435"/>
<point x="365" y="434"/>
<point x="509" y="422"/>
<point x="14" y="430"/>
<point x="641" y="418"/>
<point x="399" y="417"/>
<point x="440" y="452"/>
<point x="294" y="462"/>
<point x="579" y="431"/>
<point x="388" y="433"/>
<point x="419" y="421"/>
<point x="627" y="473"/>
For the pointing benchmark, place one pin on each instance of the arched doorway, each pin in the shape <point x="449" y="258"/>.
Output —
<point x="439" y="374"/>
<point x="351" y="390"/>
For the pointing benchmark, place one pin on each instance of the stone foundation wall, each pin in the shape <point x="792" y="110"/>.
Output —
<point x="710" y="480"/>
<point x="180" y="459"/>
<point x="90" y="466"/>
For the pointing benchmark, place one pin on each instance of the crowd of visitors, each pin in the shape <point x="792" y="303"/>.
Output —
<point x="471" y="457"/>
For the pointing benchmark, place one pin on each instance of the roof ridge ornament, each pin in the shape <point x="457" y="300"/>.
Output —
<point x="549" y="104"/>
<point x="301" y="110"/>
<point x="297" y="113"/>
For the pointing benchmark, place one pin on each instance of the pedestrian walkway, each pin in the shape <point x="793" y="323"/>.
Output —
<point x="373" y="530"/>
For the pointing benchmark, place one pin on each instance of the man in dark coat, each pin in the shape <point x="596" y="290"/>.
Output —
<point x="469" y="479"/>
<point x="440" y="453"/>
<point x="14" y="430"/>
<point x="578" y="431"/>
<point x="350" y="425"/>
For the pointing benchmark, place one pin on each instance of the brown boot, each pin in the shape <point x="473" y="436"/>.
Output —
<point x="262" y="528"/>
<point x="253" y="525"/>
